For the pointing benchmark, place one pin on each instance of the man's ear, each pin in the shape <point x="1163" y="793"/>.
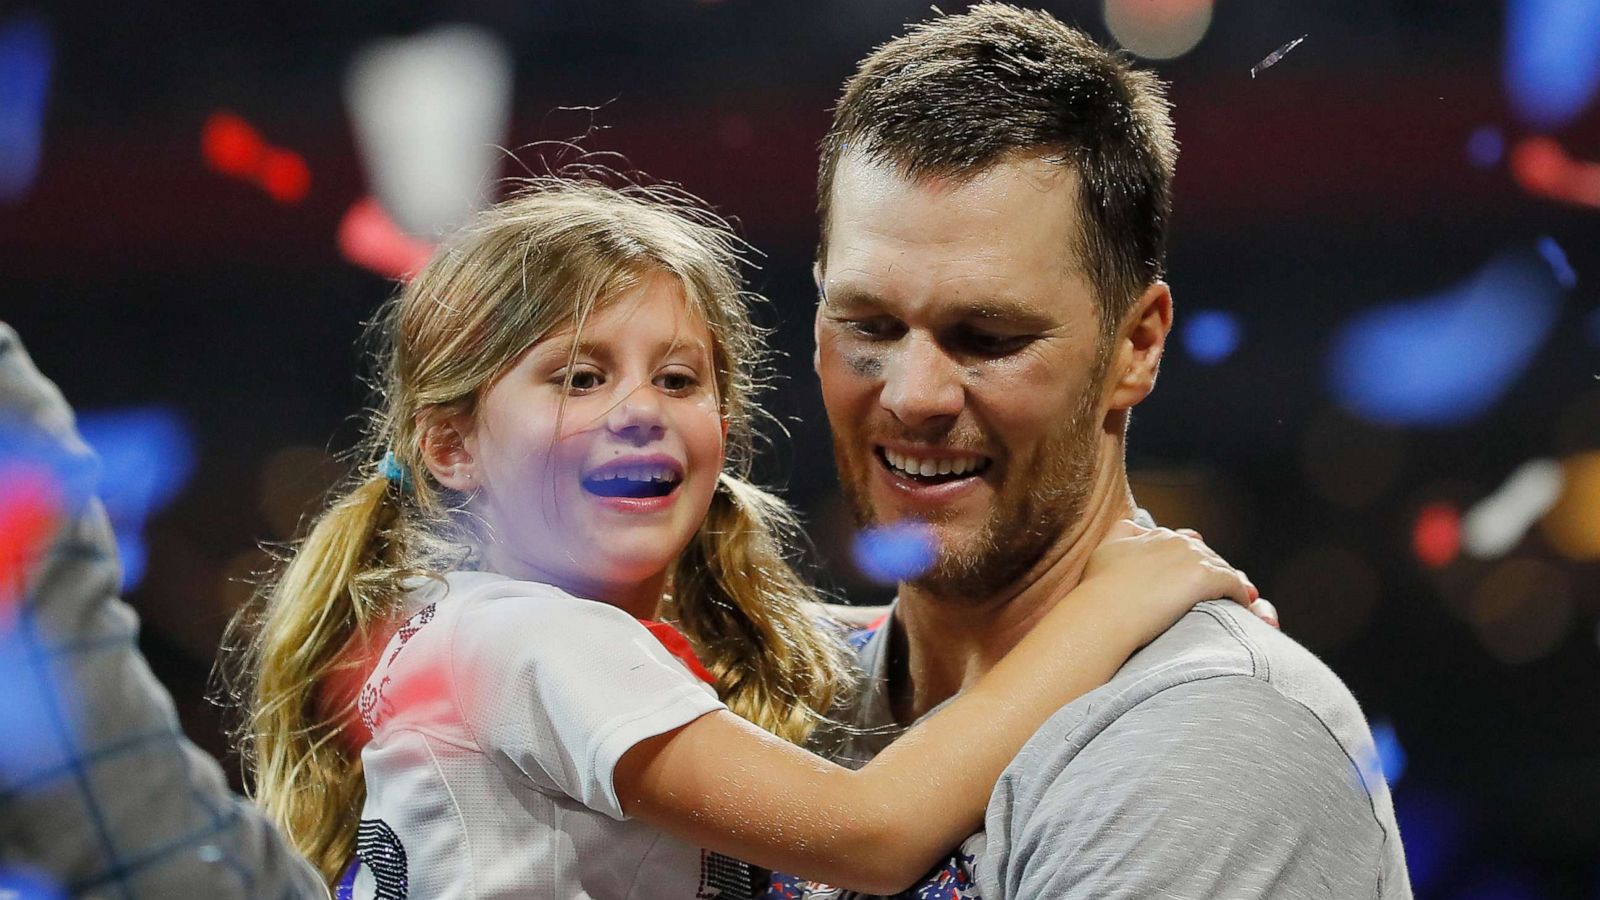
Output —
<point x="816" y="321"/>
<point x="447" y="451"/>
<point x="1138" y="345"/>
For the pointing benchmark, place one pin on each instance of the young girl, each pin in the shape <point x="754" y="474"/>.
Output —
<point x="565" y="436"/>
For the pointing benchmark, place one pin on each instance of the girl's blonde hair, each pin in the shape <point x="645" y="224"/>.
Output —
<point x="530" y="265"/>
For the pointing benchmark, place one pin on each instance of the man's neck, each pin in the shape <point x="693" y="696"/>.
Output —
<point x="941" y="645"/>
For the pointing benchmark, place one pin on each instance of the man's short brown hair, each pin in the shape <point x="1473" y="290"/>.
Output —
<point x="957" y="94"/>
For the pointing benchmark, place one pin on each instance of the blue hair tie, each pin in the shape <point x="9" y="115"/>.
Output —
<point x="392" y="469"/>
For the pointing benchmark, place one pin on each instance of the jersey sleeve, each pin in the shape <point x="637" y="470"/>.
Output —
<point x="1216" y="788"/>
<point x="556" y="689"/>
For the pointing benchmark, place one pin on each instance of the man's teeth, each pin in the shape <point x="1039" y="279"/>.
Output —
<point x="912" y="465"/>
<point x="636" y="473"/>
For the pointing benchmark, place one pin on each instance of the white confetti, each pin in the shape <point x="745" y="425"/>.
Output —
<point x="1498" y="522"/>
<point x="1274" y="56"/>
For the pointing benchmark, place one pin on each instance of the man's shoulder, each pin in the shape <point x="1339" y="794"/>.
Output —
<point x="1221" y="649"/>
<point x="1223" y="739"/>
<point x="1218" y="683"/>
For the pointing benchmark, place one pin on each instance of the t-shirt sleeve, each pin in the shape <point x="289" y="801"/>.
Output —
<point x="1216" y="788"/>
<point x="555" y="689"/>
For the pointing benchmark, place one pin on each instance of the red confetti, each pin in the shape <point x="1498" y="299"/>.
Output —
<point x="231" y="146"/>
<point x="1542" y="167"/>
<point x="29" y="506"/>
<point x="371" y="240"/>
<point x="1436" y="538"/>
<point x="234" y="148"/>
<point x="285" y="176"/>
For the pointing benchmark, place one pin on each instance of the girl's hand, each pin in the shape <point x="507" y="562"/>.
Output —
<point x="1159" y="574"/>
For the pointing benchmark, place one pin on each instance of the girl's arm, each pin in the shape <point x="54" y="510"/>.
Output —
<point x="721" y="783"/>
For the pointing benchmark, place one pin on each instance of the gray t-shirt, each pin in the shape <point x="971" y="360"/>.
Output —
<point x="1223" y="760"/>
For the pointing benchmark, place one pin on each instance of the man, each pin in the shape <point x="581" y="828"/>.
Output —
<point x="100" y="793"/>
<point x="994" y="196"/>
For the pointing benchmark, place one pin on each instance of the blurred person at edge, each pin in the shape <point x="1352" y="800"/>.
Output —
<point x="994" y="195"/>
<point x="106" y="798"/>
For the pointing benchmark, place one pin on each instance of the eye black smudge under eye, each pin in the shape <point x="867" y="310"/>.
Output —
<point x="863" y="366"/>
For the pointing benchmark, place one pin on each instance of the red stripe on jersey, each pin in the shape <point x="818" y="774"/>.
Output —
<point x="678" y="646"/>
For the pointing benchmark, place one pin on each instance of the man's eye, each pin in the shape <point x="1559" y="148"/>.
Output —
<point x="987" y="344"/>
<point x="874" y="329"/>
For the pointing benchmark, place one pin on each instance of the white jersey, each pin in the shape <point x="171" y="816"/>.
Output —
<point x="498" y="712"/>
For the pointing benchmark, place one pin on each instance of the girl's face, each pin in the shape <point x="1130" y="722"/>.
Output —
<point x="600" y="497"/>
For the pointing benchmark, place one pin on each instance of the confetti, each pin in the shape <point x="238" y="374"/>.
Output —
<point x="1274" y="56"/>
<point x="370" y="239"/>
<point x="146" y="457"/>
<point x="233" y="148"/>
<point x="1542" y="167"/>
<point x="1211" y="336"/>
<point x="1552" y="72"/>
<point x="1391" y="756"/>
<point x="894" y="553"/>
<point x="1498" y="522"/>
<point x="30" y="504"/>
<point x="1557" y="258"/>
<point x="430" y="112"/>
<point x="22" y="883"/>
<point x="1486" y="147"/>
<point x="25" y="56"/>
<point x="1436" y="537"/>
<point x="1447" y="358"/>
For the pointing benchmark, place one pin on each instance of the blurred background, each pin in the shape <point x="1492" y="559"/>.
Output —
<point x="1381" y="399"/>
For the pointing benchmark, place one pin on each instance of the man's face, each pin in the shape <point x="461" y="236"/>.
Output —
<point x="958" y="345"/>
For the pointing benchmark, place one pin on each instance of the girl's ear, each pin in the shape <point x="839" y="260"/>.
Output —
<point x="447" y="451"/>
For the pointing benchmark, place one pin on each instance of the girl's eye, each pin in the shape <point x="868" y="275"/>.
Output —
<point x="580" y="380"/>
<point x="676" y="381"/>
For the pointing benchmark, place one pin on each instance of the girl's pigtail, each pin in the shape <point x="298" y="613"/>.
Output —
<point x="750" y="613"/>
<point x="303" y="668"/>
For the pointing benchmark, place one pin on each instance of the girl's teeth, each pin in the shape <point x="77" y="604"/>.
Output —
<point x="636" y="473"/>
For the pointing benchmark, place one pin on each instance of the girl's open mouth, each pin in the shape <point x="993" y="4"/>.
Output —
<point x="635" y="479"/>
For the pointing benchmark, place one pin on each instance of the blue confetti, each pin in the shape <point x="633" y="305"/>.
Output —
<point x="18" y="883"/>
<point x="1486" y="147"/>
<point x="1211" y="335"/>
<point x="146" y="457"/>
<point x="894" y="553"/>
<point x="1557" y="258"/>
<point x="24" y="77"/>
<point x="1447" y="358"/>
<point x="1552" y="70"/>
<point x="1391" y="756"/>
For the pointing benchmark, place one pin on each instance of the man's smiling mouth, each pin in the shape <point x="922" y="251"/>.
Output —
<point x="941" y="469"/>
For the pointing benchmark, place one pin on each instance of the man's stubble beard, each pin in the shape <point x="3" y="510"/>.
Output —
<point x="1033" y="514"/>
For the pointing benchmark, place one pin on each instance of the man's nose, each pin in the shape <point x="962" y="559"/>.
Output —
<point x="637" y="418"/>
<point x="921" y="383"/>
